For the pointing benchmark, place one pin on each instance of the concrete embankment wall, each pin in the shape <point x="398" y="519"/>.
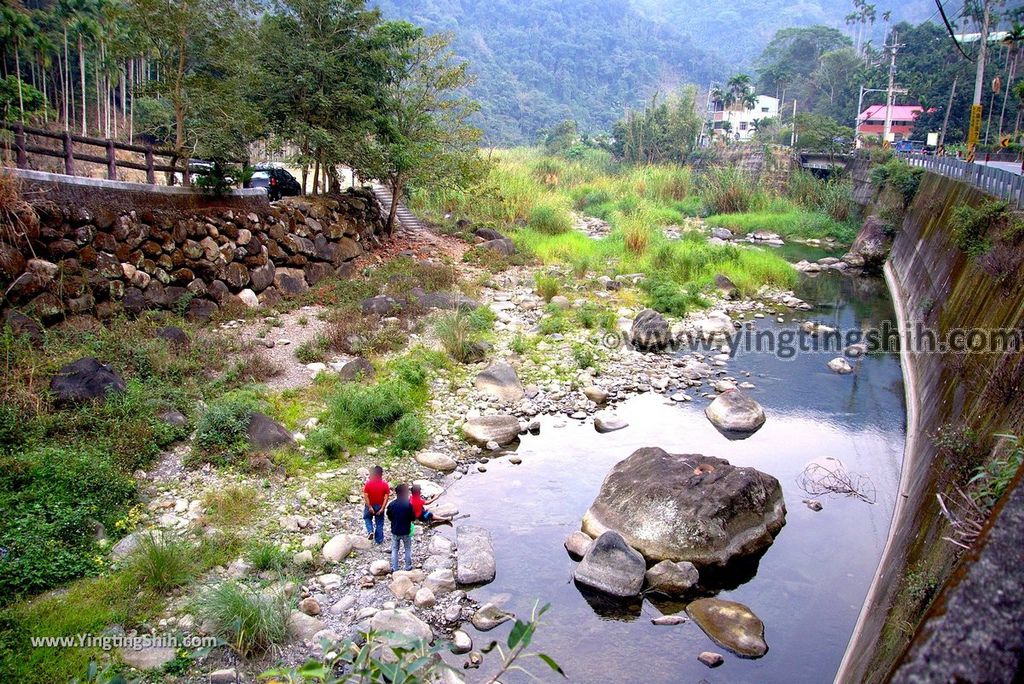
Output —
<point x="85" y="247"/>
<point x="937" y="286"/>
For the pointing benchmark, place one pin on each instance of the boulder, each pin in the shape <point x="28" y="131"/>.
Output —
<point x="339" y="546"/>
<point x="871" y="246"/>
<point x="302" y="627"/>
<point x="436" y="461"/>
<point x="358" y="368"/>
<point x="672" y="579"/>
<point x="381" y="305"/>
<point x="688" y="507"/>
<point x="149" y="658"/>
<point x="611" y="566"/>
<point x="461" y="642"/>
<point x="502" y="246"/>
<point x="500" y="381"/>
<point x="475" y="558"/>
<point x="722" y="233"/>
<point x="175" y="337"/>
<point x="608" y="422"/>
<point x="402" y="623"/>
<point x="266" y="434"/>
<point x="731" y="625"/>
<point x="840" y="365"/>
<point x="577" y="544"/>
<point x="734" y="412"/>
<point x="489" y="616"/>
<point x="715" y="324"/>
<point x="501" y="429"/>
<point x="440" y="581"/>
<point x="488" y="234"/>
<point x="710" y="658"/>
<point x="650" y="331"/>
<point x="595" y="394"/>
<point x="84" y="380"/>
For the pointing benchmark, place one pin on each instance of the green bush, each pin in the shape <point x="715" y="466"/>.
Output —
<point x="669" y="297"/>
<point x="250" y="621"/>
<point x="898" y="175"/>
<point x="972" y="226"/>
<point x="313" y="350"/>
<point x="54" y="498"/>
<point x="583" y="355"/>
<point x="991" y="480"/>
<point x="222" y="430"/>
<point x="410" y="434"/>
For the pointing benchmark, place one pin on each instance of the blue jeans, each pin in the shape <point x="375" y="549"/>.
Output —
<point x="371" y="518"/>
<point x="406" y="540"/>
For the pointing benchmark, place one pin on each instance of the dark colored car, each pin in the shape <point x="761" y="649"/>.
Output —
<point x="278" y="182"/>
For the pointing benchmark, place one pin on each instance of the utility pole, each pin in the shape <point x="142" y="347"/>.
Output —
<point x="979" y="82"/>
<point x="893" y="49"/>
<point x="792" y="141"/>
<point x="949" y="108"/>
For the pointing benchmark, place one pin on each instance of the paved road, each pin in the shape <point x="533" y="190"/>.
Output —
<point x="1012" y="167"/>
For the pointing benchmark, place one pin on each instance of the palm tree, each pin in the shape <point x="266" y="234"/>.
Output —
<point x="1014" y="41"/>
<point x="17" y="27"/>
<point x="83" y="27"/>
<point x="741" y="91"/>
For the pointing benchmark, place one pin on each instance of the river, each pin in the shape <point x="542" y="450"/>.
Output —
<point x="809" y="586"/>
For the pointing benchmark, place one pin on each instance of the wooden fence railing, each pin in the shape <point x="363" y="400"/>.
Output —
<point x="71" y="152"/>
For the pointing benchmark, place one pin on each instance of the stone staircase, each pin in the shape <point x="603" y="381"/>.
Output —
<point x="405" y="217"/>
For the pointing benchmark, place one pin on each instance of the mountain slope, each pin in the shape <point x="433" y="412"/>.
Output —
<point x="539" y="63"/>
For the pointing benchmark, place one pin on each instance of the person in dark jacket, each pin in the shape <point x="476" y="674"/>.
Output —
<point x="401" y="514"/>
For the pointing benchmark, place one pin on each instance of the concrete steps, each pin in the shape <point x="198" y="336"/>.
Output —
<point x="405" y="217"/>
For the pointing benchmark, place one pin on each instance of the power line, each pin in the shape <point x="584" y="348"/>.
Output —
<point x="949" y="29"/>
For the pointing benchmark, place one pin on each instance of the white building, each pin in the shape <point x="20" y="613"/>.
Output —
<point x="741" y="122"/>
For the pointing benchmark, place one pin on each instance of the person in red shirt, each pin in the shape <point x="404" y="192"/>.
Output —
<point x="376" y="493"/>
<point x="419" y="505"/>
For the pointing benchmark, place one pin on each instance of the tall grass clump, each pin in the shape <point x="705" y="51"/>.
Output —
<point x="727" y="190"/>
<point x="459" y="336"/>
<point x="546" y="285"/>
<point x="222" y="430"/>
<point x="551" y="218"/>
<point x="250" y="621"/>
<point x="662" y="183"/>
<point x="266" y="556"/>
<point x="163" y="562"/>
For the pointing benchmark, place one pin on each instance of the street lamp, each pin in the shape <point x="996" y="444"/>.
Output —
<point x="860" y="108"/>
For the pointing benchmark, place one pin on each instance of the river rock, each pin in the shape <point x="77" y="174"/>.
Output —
<point x="664" y="620"/>
<point x="734" y="412"/>
<point x="84" y="380"/>
<point x="595" y="394"/>
<point x="502" y="429"/>
<point x="302" y="627"/>
<point x="401" y="622"/>
<point x="650" y="331"/>
<point x="840" y="365"/>
<point x="500" y="381"/>
<point x="151" y="658"/>
<point x="611" y="566"/>
<point x="577" y="544"/>
<point x="266" y="434"/>
<point x="489" y="616"/>
<point x="688" y="507"/>
<point x="440" y="581"/>
<point x="475" y="555"/>
<point x="725" y="286"/>
<point x="710" y="658"/>
<point x="731" y="625"/>
<point x="339" y="546"/>
<point x="357" y="369"/>
<point x="436" y="461"/>
<point x="672" y="579"/>
<point x="609" y="422"/>
<point x="461" y="642"/>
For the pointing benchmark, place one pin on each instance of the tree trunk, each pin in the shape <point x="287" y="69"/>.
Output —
<point x="17" y="75"/>
<point x="81" y="73"/>
<point x="69" y="104"/>
<point x="396" y="192"/>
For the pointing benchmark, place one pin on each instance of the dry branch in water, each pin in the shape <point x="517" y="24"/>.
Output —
<point x="833" y="478"/>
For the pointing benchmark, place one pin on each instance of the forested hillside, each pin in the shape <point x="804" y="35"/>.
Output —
<point x="539" y="63"/>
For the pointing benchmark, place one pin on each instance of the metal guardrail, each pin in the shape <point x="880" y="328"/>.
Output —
<point x="997" y="182"/>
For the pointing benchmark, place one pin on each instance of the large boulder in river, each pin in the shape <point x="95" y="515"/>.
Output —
<point x="401" y="623"/>
<point x="650" y="331"/>
<point x="872" y="245"/>
<point x="730" y="625"/>
<point x="501" y="429"/>
<point x="611" y="566"/>
<point x="500" y="381"/>
<point x="735" y="414"/>
<point x="84" y="380"/>
<point x="688" y="507"/>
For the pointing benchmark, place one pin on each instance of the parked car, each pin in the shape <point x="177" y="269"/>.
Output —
<point x="278" y="182"/>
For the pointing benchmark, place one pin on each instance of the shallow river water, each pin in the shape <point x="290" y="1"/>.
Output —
<point x="808" y="587"/>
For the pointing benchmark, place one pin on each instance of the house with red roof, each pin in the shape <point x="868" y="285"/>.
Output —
<point x="872" y="120"/>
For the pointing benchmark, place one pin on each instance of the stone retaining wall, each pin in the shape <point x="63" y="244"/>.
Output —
<point x="59" y="259"/>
